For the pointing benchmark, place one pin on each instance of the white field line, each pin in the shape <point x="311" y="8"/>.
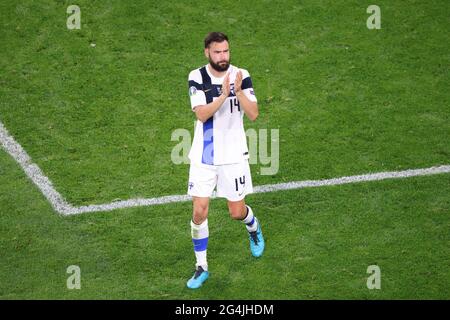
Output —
<point x="63" y="207"/>
<point x="33" y="171"/>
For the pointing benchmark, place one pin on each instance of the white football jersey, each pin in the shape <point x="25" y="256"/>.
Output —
<point x="221" y="139"/>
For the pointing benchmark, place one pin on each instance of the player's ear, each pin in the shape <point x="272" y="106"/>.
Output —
<point x="207" y="53"/>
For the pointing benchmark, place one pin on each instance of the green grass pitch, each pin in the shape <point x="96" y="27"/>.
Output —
<point x="346" y="100"/>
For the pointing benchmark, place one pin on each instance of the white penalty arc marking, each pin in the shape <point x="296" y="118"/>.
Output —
<point x="63" y="207"/>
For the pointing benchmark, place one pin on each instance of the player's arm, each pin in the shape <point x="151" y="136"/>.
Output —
<point x="250" y="107"/>
<point x="204" y="112"/>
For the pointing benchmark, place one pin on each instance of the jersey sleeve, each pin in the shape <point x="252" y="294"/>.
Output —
<point x="247" y="86"/>
<point x="196" y="94"/>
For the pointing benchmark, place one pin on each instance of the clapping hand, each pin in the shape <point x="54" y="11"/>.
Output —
<point x="226" y="85"/>
<point x="238" y="82"/>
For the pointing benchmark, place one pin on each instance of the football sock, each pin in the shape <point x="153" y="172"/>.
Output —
<point x="250" y="220"/>
<point x="200" y="234"/>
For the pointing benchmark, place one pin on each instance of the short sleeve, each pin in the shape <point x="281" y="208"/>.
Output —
<point x="247" y="86"/>
<point x="196" y="94"/>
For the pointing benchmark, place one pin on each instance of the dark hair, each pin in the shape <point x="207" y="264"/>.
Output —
<point x="215" y="37"/>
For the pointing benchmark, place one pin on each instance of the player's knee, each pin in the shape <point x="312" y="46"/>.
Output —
<point x="200" y="214"/>
<point x="236" y="213"/>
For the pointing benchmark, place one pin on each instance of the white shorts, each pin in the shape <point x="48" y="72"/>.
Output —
<point x="233" y="181"/>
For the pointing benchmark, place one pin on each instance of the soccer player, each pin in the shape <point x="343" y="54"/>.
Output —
<point x="220" y="95"/>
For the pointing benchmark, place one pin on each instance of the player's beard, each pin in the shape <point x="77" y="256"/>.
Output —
<point x="221" y="66"/>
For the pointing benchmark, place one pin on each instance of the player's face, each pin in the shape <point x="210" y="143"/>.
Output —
<point x="218" y="55"/>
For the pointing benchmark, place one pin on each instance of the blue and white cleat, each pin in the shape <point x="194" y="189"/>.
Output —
<point x="256" y="242"/>
<point x="197" y="280"/>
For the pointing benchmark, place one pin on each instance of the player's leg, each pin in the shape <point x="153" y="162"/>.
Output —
<point x="200" y="230"/>
<point x="200" y="236"/>
<point x="202" y="181"/>
<point x="234" y="183"/>
<point x="237" y="209"/>
<point x="240" y="211"/>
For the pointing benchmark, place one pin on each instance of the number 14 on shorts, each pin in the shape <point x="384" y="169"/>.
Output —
<point x="239" y="181"/>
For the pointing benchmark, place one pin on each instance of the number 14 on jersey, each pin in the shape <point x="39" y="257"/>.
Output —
<point x="234" y="102"/>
